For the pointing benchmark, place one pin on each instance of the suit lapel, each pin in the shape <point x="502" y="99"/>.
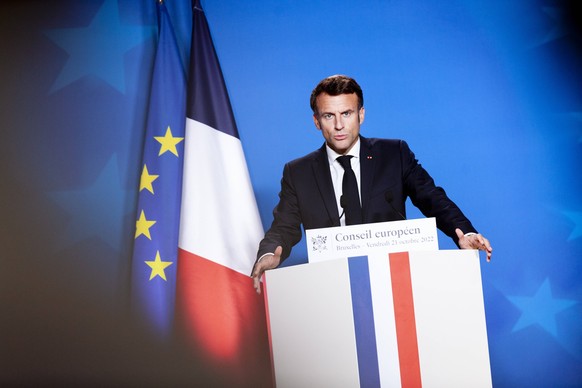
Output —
<point x="325" y="185"/>
<point x="367" y="164"/>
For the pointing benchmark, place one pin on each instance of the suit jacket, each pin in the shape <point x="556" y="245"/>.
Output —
<point x="389" y="174"/>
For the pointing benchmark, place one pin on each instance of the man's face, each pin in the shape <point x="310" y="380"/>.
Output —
<point x="339" y="119"/>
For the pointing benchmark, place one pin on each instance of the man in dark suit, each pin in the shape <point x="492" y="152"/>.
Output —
<point x="354" y="180"/>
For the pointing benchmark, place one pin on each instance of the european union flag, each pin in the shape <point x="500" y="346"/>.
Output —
<point x="154" y="262"/>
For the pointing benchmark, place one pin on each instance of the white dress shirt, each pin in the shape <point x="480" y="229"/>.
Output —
<point x="337" y="174"/>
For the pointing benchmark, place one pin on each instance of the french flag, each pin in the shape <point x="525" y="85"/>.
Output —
<point x="409" y="319"/>
<point x="216" y="305"/>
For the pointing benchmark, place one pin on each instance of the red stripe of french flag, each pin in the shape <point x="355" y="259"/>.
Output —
<point x="405" y="320"/>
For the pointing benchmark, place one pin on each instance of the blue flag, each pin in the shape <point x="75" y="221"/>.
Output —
<point x="154" y="262"/>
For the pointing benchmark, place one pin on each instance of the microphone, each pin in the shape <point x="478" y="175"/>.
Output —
<point x="389" y="197"/>
<point x="343" y="205"/>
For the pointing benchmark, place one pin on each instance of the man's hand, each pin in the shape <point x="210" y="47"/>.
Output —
<point x="267" y="262"/>
<point x="474" y="241"/>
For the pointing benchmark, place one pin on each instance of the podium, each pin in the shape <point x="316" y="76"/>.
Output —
<point x="391" y="319"/>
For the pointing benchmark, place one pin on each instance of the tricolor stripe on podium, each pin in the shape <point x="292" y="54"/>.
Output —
<point x="405" y="319"/>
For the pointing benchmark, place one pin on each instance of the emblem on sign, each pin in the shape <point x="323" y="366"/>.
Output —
<point x="318" y="243"/>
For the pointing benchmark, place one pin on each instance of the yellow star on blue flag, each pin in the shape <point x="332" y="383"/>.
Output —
<point x="158" y="266"/>
<point x="160" y="191"/>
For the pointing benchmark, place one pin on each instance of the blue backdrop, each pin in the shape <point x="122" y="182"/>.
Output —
<point x="488" y="95"/>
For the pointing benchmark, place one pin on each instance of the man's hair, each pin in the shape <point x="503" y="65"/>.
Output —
<point x="334" y="86"/>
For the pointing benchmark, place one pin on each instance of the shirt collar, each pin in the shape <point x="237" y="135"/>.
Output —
<point x="354" y="151"/>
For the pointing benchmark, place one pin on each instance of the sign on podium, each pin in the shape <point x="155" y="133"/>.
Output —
<point x="382" y="237"/>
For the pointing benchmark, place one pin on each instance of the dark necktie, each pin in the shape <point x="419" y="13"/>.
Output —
<point x="350" y="200"/>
